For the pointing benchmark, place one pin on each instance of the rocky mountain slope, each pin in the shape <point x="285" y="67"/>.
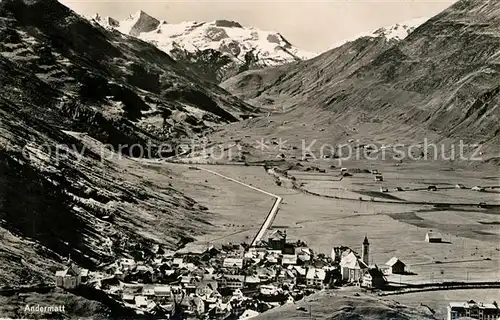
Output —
<point x="440" y="82"/>
<point x="215" y="50"/>
<point x="70" y="92"/>
<point x="395" y="32"/>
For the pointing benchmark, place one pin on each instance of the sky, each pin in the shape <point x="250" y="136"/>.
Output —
<point x="311" y="25"/>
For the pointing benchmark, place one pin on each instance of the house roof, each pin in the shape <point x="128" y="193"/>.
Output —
<point x="277" y="235"/>
<point x="433" y="235"/>
<point x="140" y="300"/>
<point x="249" y="314"/>
<point x="313" y="273"/>
<point x="352" y="262"/>
<point x="300" y="270"/>
<point x="239" y="278"/>
<point x="60" y="273"/>
<point x="162" y="289"/>
<point x="252" y="279"/>
<point x="233" y="262"/>
<point x="393" y="261"/>
<point x="289" y="259"/>
<point x="472" y="303"/>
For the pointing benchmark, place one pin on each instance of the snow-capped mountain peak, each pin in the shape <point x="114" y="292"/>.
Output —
<point x="397" y="32"/>
<point x="192" y="41"/>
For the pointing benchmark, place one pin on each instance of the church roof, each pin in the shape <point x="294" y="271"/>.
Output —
<point x="366" y="240"/>
<point x="393" y="261"/>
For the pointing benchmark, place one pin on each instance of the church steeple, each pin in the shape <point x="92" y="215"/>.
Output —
<point x="365" y="251"/>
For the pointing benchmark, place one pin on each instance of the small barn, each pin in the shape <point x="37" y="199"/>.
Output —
<point x="378" y="177"/>
<point x="459" y="186"/>
<point x="433" y="237"/>
<point x="432" y="188"/>
<point x="396" y="266"/>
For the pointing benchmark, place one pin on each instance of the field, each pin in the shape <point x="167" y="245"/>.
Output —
<point x="469" y="251"/>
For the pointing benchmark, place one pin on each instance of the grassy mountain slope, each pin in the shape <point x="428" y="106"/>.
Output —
<point x="69" y="87"/>
<point x="441" y="82"/>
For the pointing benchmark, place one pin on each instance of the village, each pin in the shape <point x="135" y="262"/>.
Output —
<point x="243" y="280"/>
<point x="231" y="280"/>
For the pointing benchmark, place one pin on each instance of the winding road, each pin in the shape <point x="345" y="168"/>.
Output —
<point x="272" y="213"/>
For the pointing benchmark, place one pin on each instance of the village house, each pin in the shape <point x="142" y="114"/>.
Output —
<point x="289" y="259"/>
<point x="396" y="266"/>
<point x="304" y="254"/>
<point x="127" y="264"/>
<point x="379" y="178"/>
<point x="268" y="289"/>
<point x="352" y="268"/>
<point x="233" y="263"/>
<point x="277" y="240"/>
<point x="70" y="278"/>
<point x="432" y="188"/>
<point x="206" y="288"/>
<point x="373" y="278"/>
<point x="433" y="237"/>
<point x="252" y="282"/>
<point x="478" y="188"/>
<point x="315" y="277"/>
<point x="141" y="301"/>
<point x="163" y="291"/>
<point x="459" y="186"/>
<point x="231" y="281"/>
<point x="473" y="310"/>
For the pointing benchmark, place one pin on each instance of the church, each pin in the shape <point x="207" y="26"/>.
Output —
<point x="358" y="270"/>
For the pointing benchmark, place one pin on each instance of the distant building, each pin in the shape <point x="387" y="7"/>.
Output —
<point x="233" y="263"/>
<point x="206" y="288"/>
<point x="249" y="314"/>
<point x="268" y="289"/>
<point x="289" y="259"/>
<point x="373" y="278"/>
<point x="141" y="301"/>
<point x="378" y="177"/>
<point x="398" y="189"/>
<point x="69" y="278"/>
<point x="459" y="186"/>
<point x="231" y="281"/>
<point x="315" y="277"/>
<point x="277" y="240"/>
<point x="471" y="309"/>
<point x="304" y="254"/>
<point x="352" y="268"/>
<point x="396" y="266"/>
<point x="432" y="188"/>
<point x="127" y="264"/>
<point x="433" y="237"/>
<point x="478" y="188"/>
<point x="375" y="171"/>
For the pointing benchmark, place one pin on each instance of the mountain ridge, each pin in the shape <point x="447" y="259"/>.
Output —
<point x="227" y="44"/>
<point x="439" y="82"/>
